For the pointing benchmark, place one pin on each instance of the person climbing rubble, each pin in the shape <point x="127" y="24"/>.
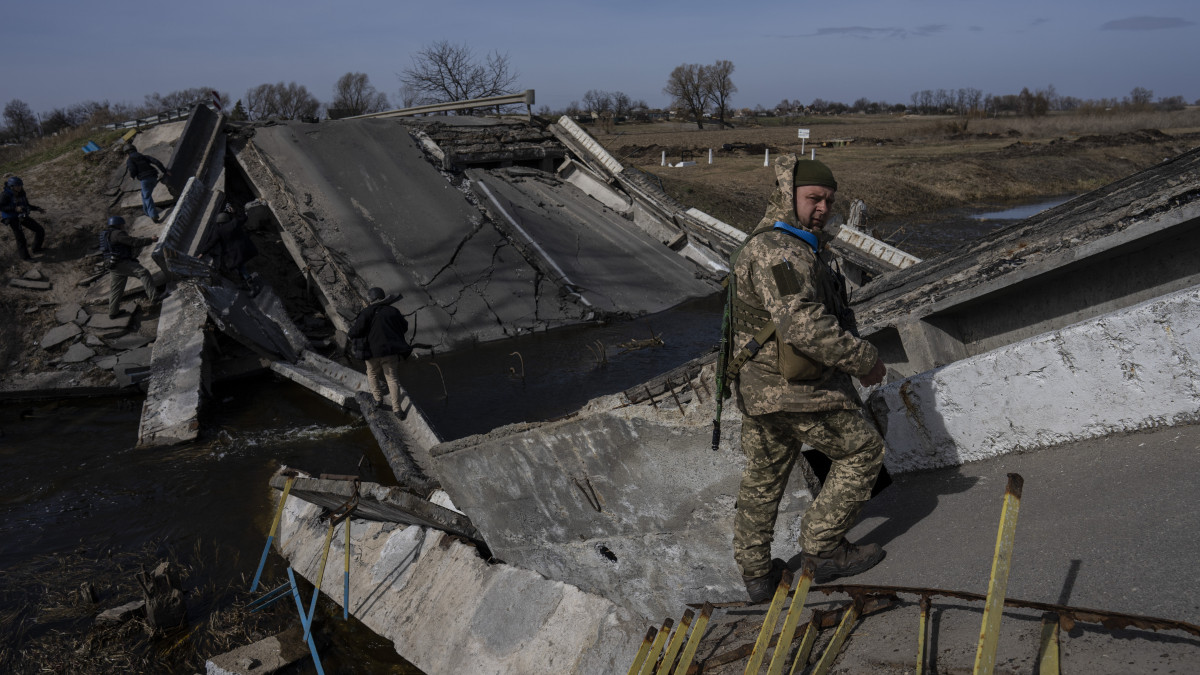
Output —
<point x="231" y="246"/>
<point x="377" y="337"/>
<point x="118" y="249"/>
<point x="145" y="170"/>
<point x="798" y="349"/>
<point x="14" y="212"/>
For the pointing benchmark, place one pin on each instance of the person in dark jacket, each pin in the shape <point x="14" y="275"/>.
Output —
<point x="231" y="245"/>
<point x="381" y="329"/>
<point x="119" y="253"/>
<point x="14" y="212"/>
<point x="145" y="170"/>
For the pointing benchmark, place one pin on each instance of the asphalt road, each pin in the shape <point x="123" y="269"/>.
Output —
<point x="399" y="222"/>
<point x="1107" y="524"/>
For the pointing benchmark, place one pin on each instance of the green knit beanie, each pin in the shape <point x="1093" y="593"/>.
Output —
<point x="813" y="172"/>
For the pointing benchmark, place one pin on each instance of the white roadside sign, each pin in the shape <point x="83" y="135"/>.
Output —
<point x="802" y="133"/>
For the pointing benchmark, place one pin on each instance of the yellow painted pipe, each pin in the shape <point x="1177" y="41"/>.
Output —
<point x="656" y="648"/>
<point x="806" y="645"/>
<point x="838" y="639"/>
<point x="769" y="621"/>
<point x="1048" y="654"/>
<point x="676" y="642"/>
<point x="640" y="657"/>
<point x="993" y="609"/>
<point x="784" y="644"/>
<point x="921" y="637"/>
<point x="693" y="643"/>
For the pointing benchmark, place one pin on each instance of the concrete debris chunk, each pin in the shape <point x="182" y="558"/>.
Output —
<point x="34" y="274"/>
<point x="32" y="285"/>
<point x="59" y="335"/>
<point x="136" y="357"/>
<point x="78" y="353"/>
<point x="121" y="614"/>
<point x="93" y="341"/>
<point x="105" y="362"/>
<point x="265" y="656"/>
<point x="129" y="341"/>
<point x="103" y="321"/>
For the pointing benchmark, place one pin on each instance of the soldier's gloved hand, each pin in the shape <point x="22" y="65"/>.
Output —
<point x="875" y="376"/>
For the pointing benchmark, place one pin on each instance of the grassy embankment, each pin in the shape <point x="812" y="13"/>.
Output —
<point x="905" y="166"/>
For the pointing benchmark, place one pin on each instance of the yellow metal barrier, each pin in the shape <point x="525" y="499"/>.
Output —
<point x="923" y="635"/>
<point x="768" y="627"/>
<point x="806" y="645"/>
<point x="693" y="643"/>
<point x="790" y="622"/>
<point x="1048" y="654"/>
<point x="839" y="638"/>
<point x="676" y="642"/>
<point x="640" y="658"/>
<point x="656" y="648"/>
<point x="989" y="633"/>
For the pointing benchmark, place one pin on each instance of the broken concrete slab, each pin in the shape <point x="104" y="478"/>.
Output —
<point x="121" y="614"/>
<point x="59" y="335"/>
<point x="612" y="265"/>
<point x="263" y="657"/>
<point x="78" y="353"/>
<point x="34" y="274"/>
<point x="171" y="411"/>
<point x="475" y="616"/>
<point x="1112" y="248"/>
<point x="103" y="322"/>
<point x="69" y="313"/>
<point x="603" y="498"/>
<point x="1123" y="371"/>
<point x="105" y="362"/>
<point x="93" y="341"/>
<point x="31" y="285"/>
<point x="129" y="341"/>
<point x="377" y="502"/>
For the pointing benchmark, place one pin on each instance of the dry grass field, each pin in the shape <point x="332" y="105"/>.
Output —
<point x="907" y="166"/>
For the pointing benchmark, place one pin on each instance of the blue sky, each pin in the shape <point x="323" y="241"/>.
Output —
<point x="61" y="52"/>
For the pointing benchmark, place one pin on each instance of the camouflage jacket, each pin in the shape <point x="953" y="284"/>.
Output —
<point x="778" y="272"/>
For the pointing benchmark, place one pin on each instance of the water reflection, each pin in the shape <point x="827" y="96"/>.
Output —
<point x="937" y="233"/>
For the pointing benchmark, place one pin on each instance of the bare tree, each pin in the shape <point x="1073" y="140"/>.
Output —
<point x="719" y="86"/>
<point x="285" y="101"/>
<point x="1140" y="97"/>
<point x="444" y="72"/>
<point x="157" y="102"/>
<point x="353" y="94"/>
<point x="20" y="120"/>
<point x="410" y="97"/>
<point x="598" y="102"/>
<point x="686" y="88"/>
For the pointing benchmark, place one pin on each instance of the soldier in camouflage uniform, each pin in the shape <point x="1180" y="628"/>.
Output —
<point x="781" y="276"/>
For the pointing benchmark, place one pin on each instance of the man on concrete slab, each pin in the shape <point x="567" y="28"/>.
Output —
<point x="377" y="336"/>
<point x="231" y="245"/>
<point x="145" y="170"/>
<point x="118" y="249"/>
<point x="14" y="212"/>
<point x="795" y="338"/>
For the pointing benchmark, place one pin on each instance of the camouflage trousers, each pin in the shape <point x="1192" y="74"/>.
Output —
<point x="772" y="445"/>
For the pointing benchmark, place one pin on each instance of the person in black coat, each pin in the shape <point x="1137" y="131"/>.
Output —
<point x="146" y="171"/>
<point x="377" y="336"/>
<point x="231" y="245"/>
<point x="14" y="212"/>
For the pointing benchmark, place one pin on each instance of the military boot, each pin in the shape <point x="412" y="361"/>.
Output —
<point x="762" y="588"/>
<point x="843" y="561"/>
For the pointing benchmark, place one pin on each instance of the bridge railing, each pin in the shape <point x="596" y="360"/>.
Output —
<point x="525" y="97"/>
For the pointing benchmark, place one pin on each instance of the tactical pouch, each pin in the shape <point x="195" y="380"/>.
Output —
<point x="794" y="365"/>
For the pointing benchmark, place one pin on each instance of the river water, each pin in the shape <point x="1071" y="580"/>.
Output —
<point x="937" y="233"/>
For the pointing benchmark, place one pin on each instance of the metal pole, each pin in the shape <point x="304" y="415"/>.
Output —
<point x="989" y="633"/>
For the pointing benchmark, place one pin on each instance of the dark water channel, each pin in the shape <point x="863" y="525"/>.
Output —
<point x="937" y="233"/>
